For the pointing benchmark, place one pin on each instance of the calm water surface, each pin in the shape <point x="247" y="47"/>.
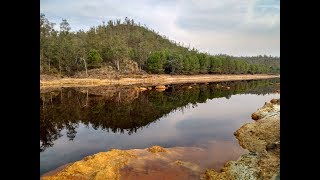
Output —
<point x="77" y="122"/>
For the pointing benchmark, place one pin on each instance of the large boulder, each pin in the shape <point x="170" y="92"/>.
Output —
<point x="269" y="109"/>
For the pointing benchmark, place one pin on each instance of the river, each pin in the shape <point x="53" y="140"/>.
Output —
<point x="77" y="122"/>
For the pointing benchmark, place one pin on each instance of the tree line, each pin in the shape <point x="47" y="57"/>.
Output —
<point x="118" y="42"/>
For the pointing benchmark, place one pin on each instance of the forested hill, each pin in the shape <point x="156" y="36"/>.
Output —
<point x="129" y="46"/>
<point x="266" y="60"/>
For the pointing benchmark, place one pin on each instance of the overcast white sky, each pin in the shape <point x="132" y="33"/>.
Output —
<point x="234" y="27"/>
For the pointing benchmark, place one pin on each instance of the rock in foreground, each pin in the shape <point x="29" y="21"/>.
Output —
<point x="104" y="165"/>
<point x="178" y="163"/>
<point x="262" y="139"/>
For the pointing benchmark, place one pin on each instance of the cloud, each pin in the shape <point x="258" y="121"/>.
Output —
<point x="246" y="27"/>
<point x="229" y="16"/>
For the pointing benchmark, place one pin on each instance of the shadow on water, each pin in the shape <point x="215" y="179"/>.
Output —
<point x="125" y="109"/>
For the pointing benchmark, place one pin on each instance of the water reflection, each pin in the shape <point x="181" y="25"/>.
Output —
<point x="76" y="122"/>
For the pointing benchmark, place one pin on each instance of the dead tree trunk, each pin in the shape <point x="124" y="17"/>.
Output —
<point x="49" y="65"/>
<point x="59" y="67"/>
<point x="117" y="63"/>
<point x="43" y="103"/>
<point x="85" y="65"/>
<point x="119" y="98"/>
<point x="87" y="99"/>
<point x="61" y="95"/>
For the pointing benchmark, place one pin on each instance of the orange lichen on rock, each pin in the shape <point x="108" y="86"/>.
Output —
<point x="156" y="149"/>
<point x="104" y="165"/>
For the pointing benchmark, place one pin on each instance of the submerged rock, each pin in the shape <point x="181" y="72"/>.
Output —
<point x="161" y="87"/>
<point x="152" y="163"/>
<point x="142" y="88"/>
<point x="189" y="165"/>
<point x="160" y="90"/>
<point x="262" y="139"/>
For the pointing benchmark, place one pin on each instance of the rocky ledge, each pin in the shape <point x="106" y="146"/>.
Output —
<point x="262" y="139"/>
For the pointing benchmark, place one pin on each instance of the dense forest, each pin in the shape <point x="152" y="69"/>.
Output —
<point x="121" y="43"/>
<point x="128" y="110"/>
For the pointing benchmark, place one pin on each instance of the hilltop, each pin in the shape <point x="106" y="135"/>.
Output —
<point x="127" y="47"/>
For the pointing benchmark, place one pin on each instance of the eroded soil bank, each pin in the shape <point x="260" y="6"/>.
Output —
<point x="262" y="160"/>
<point x="147" y="80"/>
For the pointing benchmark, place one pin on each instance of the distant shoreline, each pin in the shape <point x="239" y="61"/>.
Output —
<point x="150" y="80"/>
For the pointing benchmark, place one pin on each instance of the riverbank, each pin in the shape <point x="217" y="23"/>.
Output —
<point x="147" y="80"/>
<point x="261" y="138"/>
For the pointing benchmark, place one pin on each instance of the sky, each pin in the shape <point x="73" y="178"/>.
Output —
<point x="233" y="27"/>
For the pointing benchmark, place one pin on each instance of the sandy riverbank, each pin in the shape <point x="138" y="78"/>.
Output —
<point x="148" y="80"/>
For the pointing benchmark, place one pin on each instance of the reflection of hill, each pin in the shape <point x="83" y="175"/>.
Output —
<point x="120" y="109"/>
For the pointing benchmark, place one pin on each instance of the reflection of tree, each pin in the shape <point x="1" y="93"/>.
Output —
<point x="48" y="133"/>
<point x="71" y="130"/>
<point x="127" y="110"/>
